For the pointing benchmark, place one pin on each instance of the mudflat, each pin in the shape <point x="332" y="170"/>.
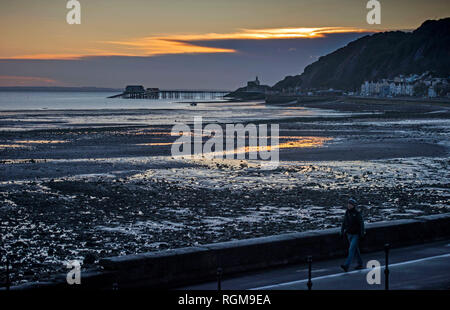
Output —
<point x="109" y="186"/>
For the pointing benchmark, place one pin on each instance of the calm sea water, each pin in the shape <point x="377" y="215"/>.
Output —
<point x="76" y="101"/>
<point x="42" y="110"/>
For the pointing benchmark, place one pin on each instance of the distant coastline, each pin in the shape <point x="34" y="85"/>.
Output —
<point x="58" y="89"/>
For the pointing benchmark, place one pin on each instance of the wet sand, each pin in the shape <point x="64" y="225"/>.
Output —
<point x="106" y="189"/>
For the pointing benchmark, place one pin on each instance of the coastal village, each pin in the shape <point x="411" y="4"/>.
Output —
<point x="424" y="85"/>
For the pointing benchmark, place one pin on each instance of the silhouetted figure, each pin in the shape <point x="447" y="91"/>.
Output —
<point x="353" y="230"/>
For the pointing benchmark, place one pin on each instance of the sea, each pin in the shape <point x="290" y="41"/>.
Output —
<point x="45" y="110"/>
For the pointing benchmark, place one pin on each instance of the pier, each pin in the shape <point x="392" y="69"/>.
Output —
<point x="139" y="92"/>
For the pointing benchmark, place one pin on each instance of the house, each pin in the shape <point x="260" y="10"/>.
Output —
<point x="431" y="92"/>
<point x="365" y="89"/>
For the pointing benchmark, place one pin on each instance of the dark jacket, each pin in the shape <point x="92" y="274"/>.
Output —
<point x="353" y="223"/>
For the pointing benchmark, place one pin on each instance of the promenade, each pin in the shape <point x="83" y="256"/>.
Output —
<point x="425" y="266"/>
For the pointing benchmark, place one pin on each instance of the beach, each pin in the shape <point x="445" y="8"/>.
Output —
<point x="92" y="183"/>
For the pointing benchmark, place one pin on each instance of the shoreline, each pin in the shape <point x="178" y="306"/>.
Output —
<point x="72" y="193"/>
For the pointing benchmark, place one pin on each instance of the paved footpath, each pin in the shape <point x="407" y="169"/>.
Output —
<point x="425" y="266"/>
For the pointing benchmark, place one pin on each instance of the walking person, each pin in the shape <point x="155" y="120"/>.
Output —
<point x="353" y="229"/>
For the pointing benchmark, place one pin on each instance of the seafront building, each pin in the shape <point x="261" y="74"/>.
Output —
<point x="404" y="86"/>
<point x="387" y="88"/>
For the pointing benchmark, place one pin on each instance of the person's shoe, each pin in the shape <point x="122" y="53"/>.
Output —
<point x="344" y="267"/>
<point x="359" y="267"/>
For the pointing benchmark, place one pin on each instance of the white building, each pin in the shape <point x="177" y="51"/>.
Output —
<point x="431" y="92"/>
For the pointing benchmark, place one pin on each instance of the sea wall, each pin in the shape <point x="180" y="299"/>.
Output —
<point x="172" y="268"/>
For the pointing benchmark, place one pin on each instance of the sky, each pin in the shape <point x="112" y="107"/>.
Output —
<point x="185" y="44"/>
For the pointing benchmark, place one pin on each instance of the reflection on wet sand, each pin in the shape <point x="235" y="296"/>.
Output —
<point x="12" y="146"/>
<point x="23" y="143"/>
<point x="304" y="142"/>
<point x="40" y="141"/>
<point x="158" y="143"/>
<point x="299" y="142"/>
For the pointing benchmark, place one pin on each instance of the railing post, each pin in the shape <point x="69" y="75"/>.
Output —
<point x="219" y="278"/>
<point x="309" y="260"/>
<point x="386" y="269"/>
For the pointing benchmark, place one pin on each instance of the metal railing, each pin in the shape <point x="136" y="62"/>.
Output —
<point x="387" y="247"/>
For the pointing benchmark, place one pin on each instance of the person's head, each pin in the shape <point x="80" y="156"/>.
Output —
<point x="351" y="203"/>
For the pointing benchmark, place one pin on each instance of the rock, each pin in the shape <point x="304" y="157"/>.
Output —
<point x="89" y="259"/>
<point x="163" y="246"/>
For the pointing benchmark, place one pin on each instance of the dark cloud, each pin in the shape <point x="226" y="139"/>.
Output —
<point x="271" y="60"/>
